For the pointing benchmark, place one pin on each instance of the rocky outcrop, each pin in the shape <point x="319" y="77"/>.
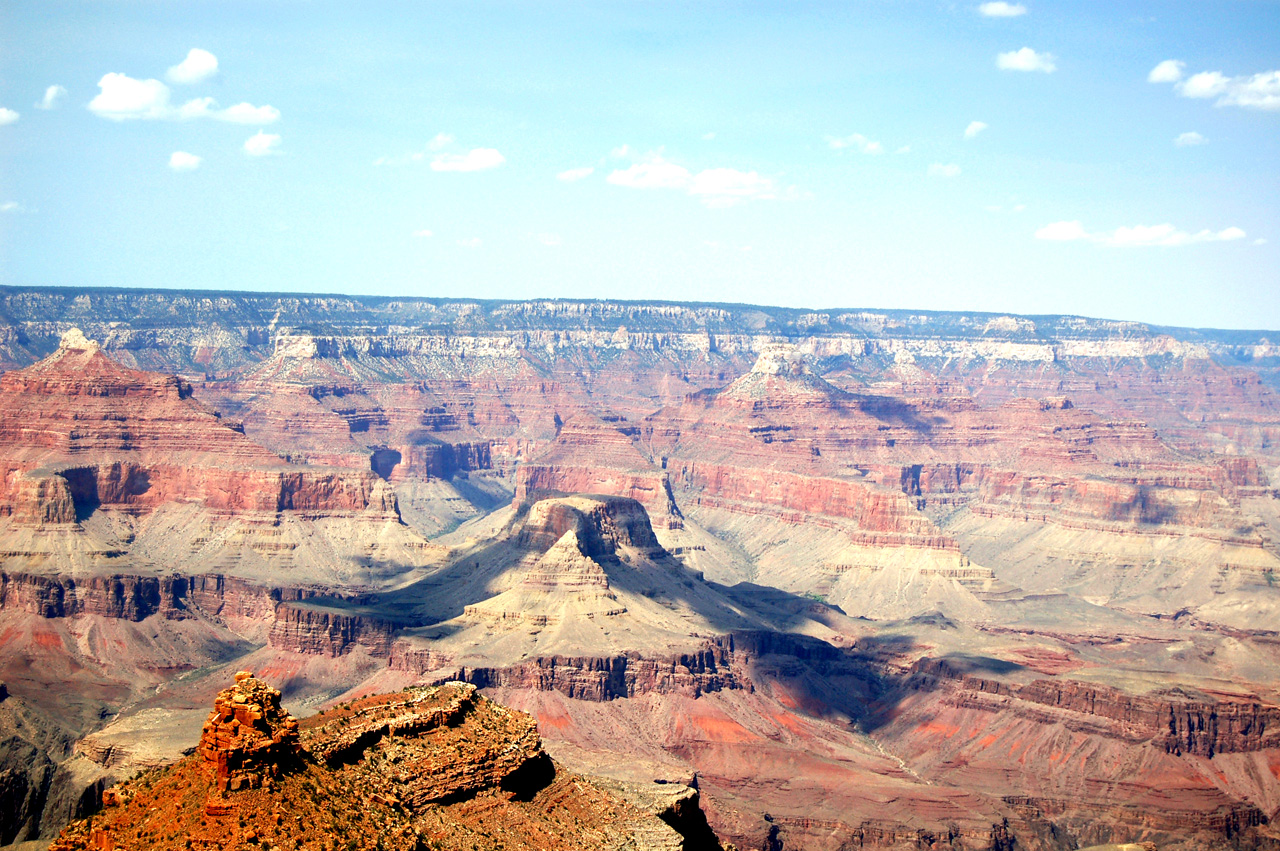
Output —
<point x="1182" y="724"/>
<point x="436" y="768"/>
<point x="317" y="631"/>
<point x="601" y="525"/>
<point x="249" y="740"/>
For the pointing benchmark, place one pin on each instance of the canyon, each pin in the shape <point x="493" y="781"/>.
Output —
<point x="859" y="578"/>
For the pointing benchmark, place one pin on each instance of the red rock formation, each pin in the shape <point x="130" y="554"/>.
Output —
<point x="248" y="740"/>
<point x="78" y="432"/>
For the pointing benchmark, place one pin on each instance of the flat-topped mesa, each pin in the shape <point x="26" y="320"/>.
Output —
<point x="249" y="739"/>
<point x="601" y="525"/>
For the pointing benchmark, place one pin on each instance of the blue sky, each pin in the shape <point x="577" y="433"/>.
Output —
<point x="955" y="156"/>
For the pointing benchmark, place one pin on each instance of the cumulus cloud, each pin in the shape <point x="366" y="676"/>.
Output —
<point x="261" y="144"/>
<point x="1002" y="10"/>
<point x="1188" y="139"/>
<point x="199" y="66"/>
<point x="714" y="187"/>
<point x="1168" y="71"/>
<point x="1138" y="235"/>
<point x="575" y="174"/>
<point x="856" y="141"/>
<point x="52" y="95"/>
<point x="1254" y="91"/>
<point x="183" y="161"/>
<point x="476" y="159"/>
<point x="8" y="116"/>
<point x="121" y="98"/>
<point x="653" y="173"/>
<point x="944" y="170"/>
<point x="1026" y="59"/>
<point x="974" y="128"/>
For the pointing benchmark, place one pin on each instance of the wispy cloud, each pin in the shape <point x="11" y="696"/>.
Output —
<point x="856" y="141"/>
<point x="575" y="174"/>
<point x="199" y="66"/>
<point x="261" y="144"/>
<point x="1138" y="235"/>
<point x="8" y="116"/>
<point x="424" y="233"/>
<point x="550" y="240"/>
<point x="974" y="128"/>
<point x="1001" y="9"/>
<point x="52" y="95"/>
<point x="122" y="98"/>
<point x="440" y="141"/>
<point x="476" y="159"/>
<point x="471" y="242"/>
<point x="1026" y="59"/>
<point x="183" y="161"/>
<point x="714" y="187"/>
<point x="944" y="170"/>
<point x="1189" y="139"/>
<point x="10" y="207"/>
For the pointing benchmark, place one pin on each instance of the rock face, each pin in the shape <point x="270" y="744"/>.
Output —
<point x="248" y="740"/>
<point x="427" y="768"/>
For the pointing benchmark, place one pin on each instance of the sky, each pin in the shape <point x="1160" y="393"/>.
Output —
<point x="1108" y="159"/>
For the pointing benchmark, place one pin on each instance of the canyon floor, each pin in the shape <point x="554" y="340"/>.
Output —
<point x="860" y="579"/>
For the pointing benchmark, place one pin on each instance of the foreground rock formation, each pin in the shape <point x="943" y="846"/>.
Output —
<point x="435" y="768"/>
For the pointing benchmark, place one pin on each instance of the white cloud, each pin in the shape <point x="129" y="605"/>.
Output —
<point x="1257" y="91"/>
<point x="260" y="144"/>
<point x="944" y="170"/>
<point x="1206" y="84"/>
<point x="621" y="152"/>
<point x="199" y="66"/>
<point x="856" y="141"/>
<point x="1188" y="139"/>
<point x="1259" y="241"/>
<point x="551" y="240"/>
<point x="440" y="141"/>
<point x="714" y="187"/>
<point x="424" y="233"/>
<point x="1261" y="91"/>
<point x="1026" y="59"/>
<point x="1063" y="232"/>
<point x="1168" y="71"/>
<point x="1138" y="235"/>
<point x="575" y="174"/>
<point x="477" y="159"/>
<point x="473" y="242"/>
<point x="724" y="187"/>
<point x="974" y="128"/>
<point x="707" y="137"/>
<point x="183" y="161"/>
<point x="122" y="97"/>
<point x="8" y="116"/>
<point x="1001" y="9"/>
<point x="247" y="113"/>
<point x="653" y="173"/>
<point x="905" y="149"/>
<point x="52" y="95"/>
<point x="10" y="207"/>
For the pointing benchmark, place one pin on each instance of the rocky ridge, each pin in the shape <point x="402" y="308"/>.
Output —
<point x="439" y="768"/>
